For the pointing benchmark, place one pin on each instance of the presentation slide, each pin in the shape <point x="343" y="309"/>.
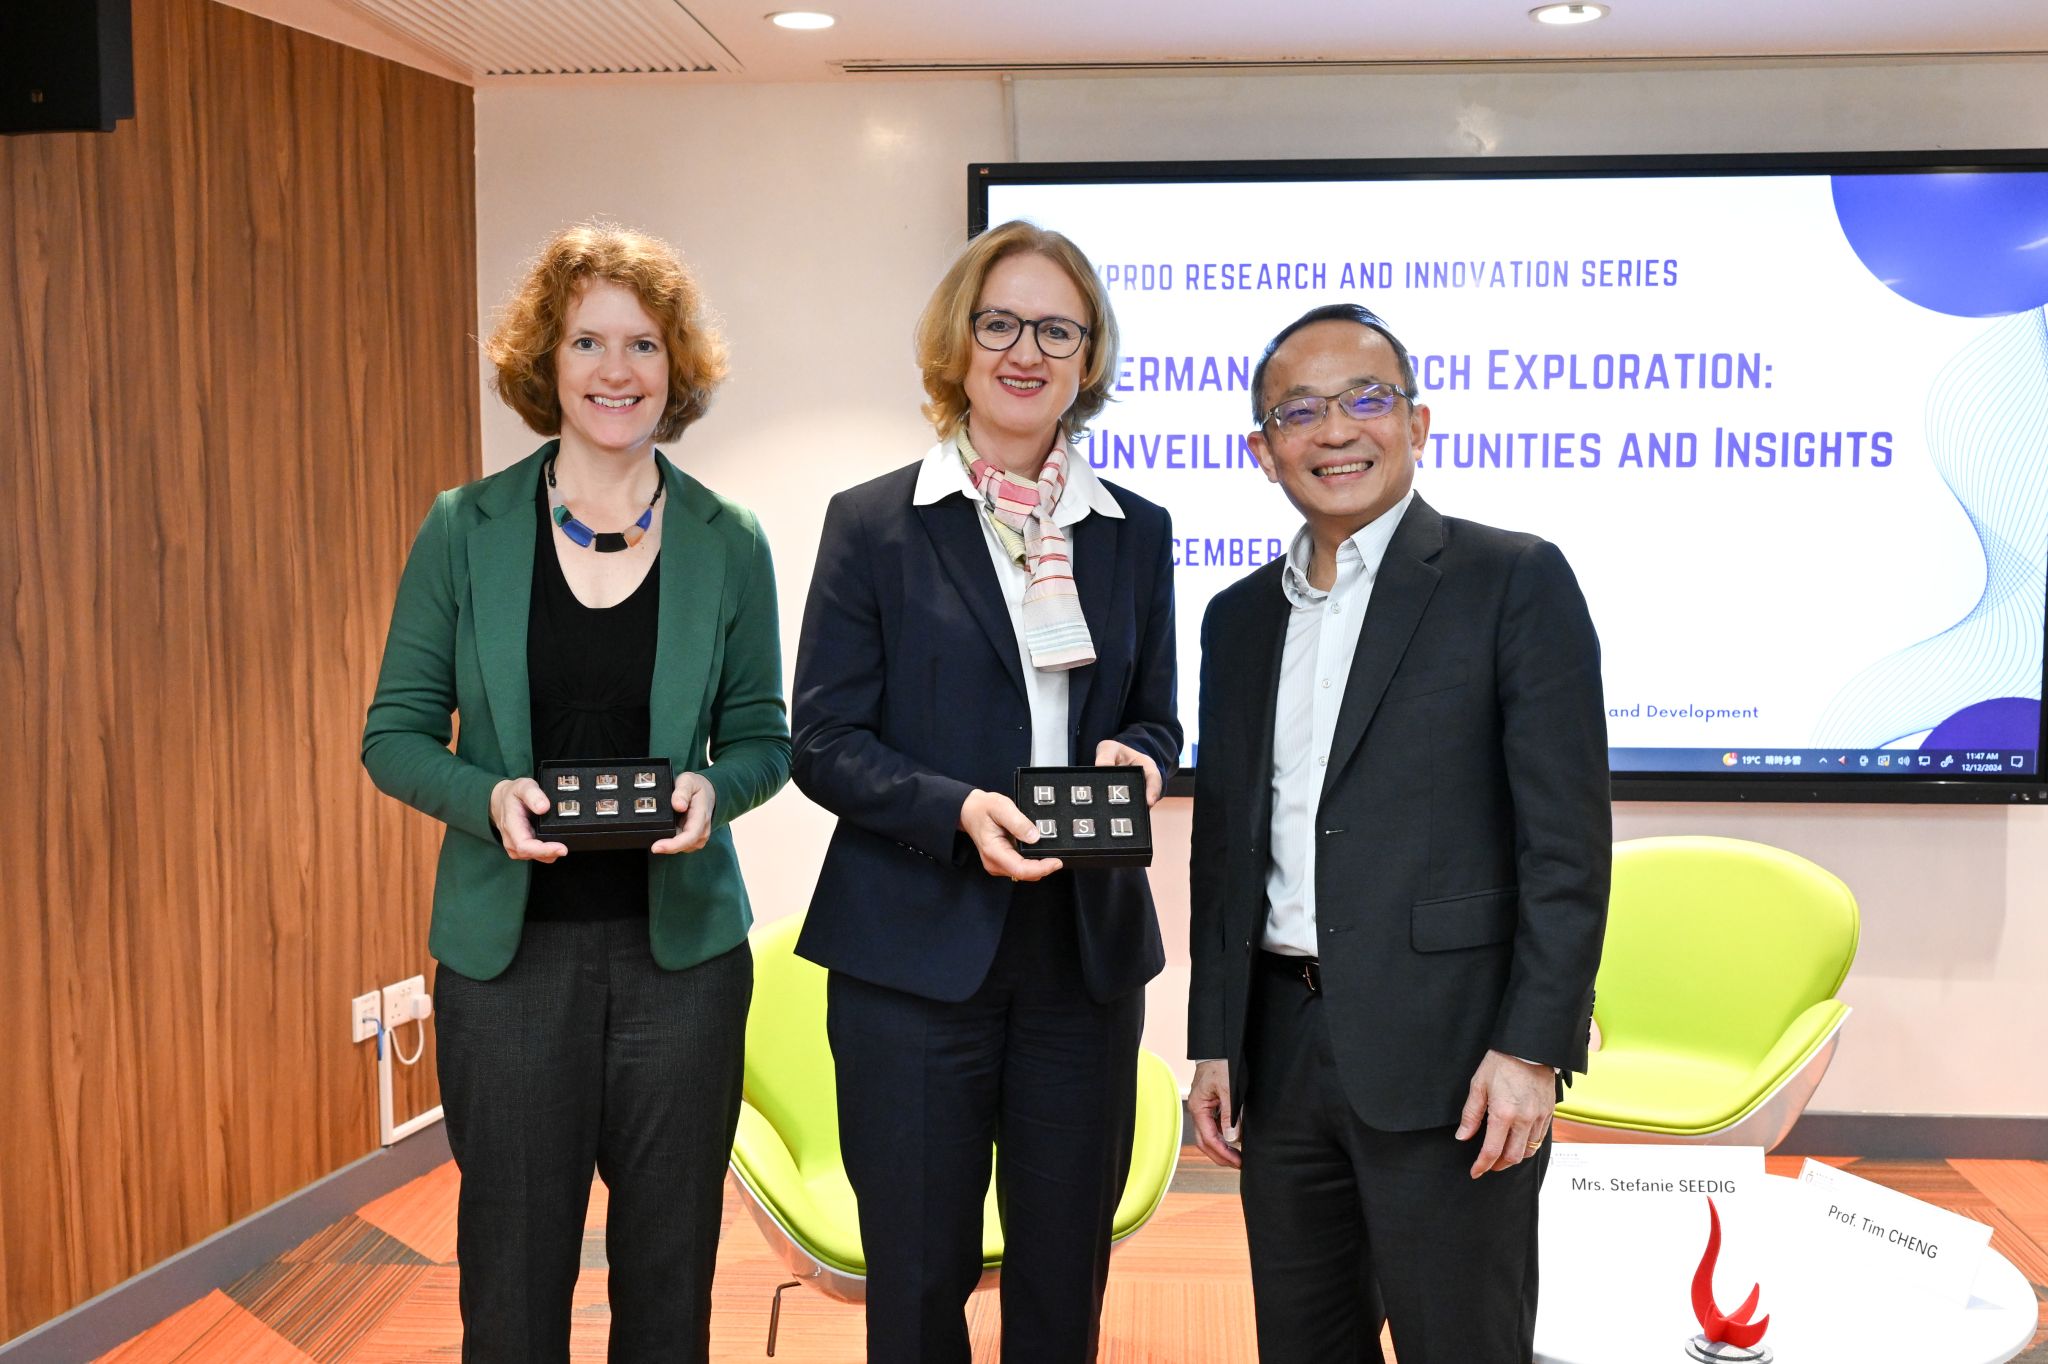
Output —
<point x="1791" y="430"/>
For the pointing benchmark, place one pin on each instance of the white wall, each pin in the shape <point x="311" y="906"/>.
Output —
<point x="1614" y="108"/>
<point x="820" y="215"/>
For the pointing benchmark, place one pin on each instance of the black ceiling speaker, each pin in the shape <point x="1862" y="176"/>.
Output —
<point x="65" y="65"/>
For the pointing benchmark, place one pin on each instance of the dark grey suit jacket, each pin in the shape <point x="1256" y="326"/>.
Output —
<point x="1464" y="835"/>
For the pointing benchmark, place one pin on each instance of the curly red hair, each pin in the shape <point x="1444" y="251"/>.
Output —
<point x="530" y="325"/>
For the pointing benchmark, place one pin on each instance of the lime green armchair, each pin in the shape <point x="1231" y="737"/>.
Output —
<point x="1716" y="996"/>
<point x="785" y="1154"/>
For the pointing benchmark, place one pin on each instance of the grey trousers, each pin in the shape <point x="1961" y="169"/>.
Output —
<point x="585" y="1055"/>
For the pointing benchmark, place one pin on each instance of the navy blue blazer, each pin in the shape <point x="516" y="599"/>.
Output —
<point x="910" y="694"/>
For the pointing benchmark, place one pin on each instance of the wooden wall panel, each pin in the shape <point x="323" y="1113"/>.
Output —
<point x="235" y="365"/>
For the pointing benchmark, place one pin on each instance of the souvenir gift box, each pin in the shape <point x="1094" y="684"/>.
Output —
<point x="1087" y="816"/>
<point x="607" y="805"/>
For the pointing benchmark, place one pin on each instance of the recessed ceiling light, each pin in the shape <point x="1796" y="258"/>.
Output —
<point x="1568" y="14"/>
<point x="810" y="18"/>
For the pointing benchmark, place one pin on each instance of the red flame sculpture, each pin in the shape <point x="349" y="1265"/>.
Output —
<point x="1735" y="1328"/>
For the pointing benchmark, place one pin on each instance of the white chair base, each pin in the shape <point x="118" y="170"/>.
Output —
<point x="1765" y="1125"/>
<point x="837" y="1284"/>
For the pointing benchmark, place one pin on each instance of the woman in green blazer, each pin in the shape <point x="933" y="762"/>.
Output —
<point x="592" y="603"/>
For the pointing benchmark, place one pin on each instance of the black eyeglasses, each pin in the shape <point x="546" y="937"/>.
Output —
<point x="999" y="328"/>
<point x="1304" y="412"/>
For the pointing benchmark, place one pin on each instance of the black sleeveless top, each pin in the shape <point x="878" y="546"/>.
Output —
<point x="589" y="672"/>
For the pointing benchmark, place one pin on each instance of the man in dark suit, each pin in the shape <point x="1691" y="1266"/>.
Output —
<point x="1399" y="878"/>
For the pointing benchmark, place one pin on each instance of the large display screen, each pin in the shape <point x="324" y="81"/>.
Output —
<point x="1788" y="420"/>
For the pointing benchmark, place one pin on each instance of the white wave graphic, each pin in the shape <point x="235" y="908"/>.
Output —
<point x="1987" y="432"/>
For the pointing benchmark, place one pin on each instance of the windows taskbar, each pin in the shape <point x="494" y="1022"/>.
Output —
<point x="1923" y="776"/>
<point x="1827" y="763"/>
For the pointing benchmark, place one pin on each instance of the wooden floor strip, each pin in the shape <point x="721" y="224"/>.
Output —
<point x="421" y="1214"/>
<point x="225" y="1330"/>
<point x="424" y="1326"/>
<point x="172" y="1337"/>
<point x="2018" y="1187"/>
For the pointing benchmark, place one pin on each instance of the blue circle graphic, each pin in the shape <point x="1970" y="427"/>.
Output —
<point x="1966" y="243"/>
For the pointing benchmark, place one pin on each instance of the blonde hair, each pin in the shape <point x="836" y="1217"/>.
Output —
<point x="530" y="325"/>
<point x="945" y="330"/>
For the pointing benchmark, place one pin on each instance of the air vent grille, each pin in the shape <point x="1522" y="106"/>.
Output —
<point x="553" y="38"/>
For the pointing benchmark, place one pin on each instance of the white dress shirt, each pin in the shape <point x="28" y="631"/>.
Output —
<point x="1315" y="665"/>
<point x="943" y="475"/>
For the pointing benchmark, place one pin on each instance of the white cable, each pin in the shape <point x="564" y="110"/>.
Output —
<point x="413" y="1059"/>
<point x="419" y="1006"/>
<point x="389" y="1131"/>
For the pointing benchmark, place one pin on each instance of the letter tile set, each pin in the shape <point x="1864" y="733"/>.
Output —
<point x="1065" y="804"/>
<point x="589" y="811"/>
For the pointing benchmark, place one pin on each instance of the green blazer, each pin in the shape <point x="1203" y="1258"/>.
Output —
<point x="458" y="646"/>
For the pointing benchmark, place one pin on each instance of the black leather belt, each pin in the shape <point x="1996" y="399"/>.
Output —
<point x="1307" y="970"/>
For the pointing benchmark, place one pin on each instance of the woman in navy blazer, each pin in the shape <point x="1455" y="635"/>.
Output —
<point x="989" y="607"/>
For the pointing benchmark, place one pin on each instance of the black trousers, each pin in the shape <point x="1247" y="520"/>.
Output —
<point x="1350" y="1226"/>
<point x="1030" y="1064"/>
<point x="585" y="1055"/>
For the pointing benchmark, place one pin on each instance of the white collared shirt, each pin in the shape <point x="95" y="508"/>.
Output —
<point x="942" y="475"/>
<point x="1315" y="665"/>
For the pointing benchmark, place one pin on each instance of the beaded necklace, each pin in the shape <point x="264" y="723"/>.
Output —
<point x="602" y="541"/>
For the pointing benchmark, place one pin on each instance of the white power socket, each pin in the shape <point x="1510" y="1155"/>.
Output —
<point x="363" y="1014"/>
<point x="398" y="1001"/>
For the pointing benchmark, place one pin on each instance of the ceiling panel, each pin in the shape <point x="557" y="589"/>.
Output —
<point x="732" y="39"/>
<point x="559" y="37"/>
<point x="884" y="35"/>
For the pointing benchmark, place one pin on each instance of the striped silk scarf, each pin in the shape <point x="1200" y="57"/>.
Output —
<point x="1054" y="629"/>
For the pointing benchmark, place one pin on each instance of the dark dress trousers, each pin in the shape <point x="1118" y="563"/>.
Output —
<point x="965" y="1010"/>
<point x="1463" y="843"/>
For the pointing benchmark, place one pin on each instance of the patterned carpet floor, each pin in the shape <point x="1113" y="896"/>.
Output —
<point x="379" y="1286"/>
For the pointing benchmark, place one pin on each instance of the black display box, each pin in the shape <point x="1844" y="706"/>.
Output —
<point x="605" y="805"/>
<point x="1087" y="816"/>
